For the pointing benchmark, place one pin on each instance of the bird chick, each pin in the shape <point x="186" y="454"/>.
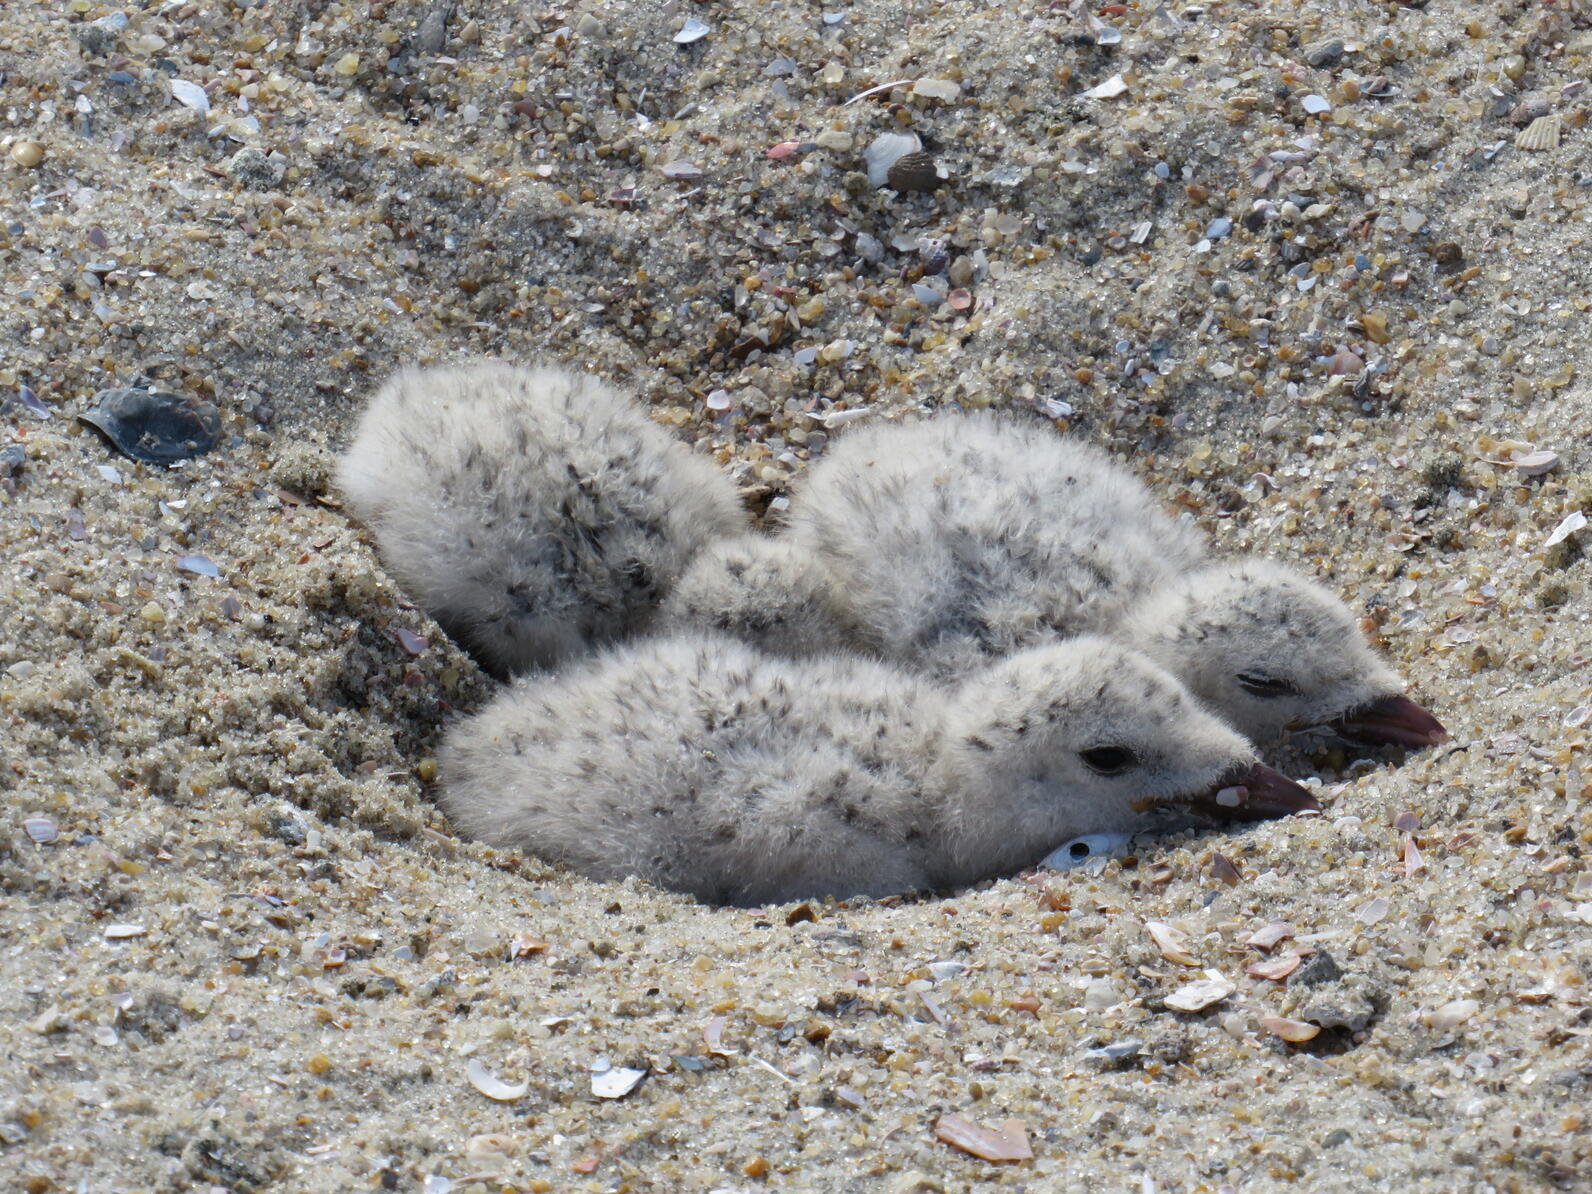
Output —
<point x="760" y="589"/>
<point x="534" y="512"/>
<point x="953" y="539"/>
<point x="946" y="542"/>
<point x="706" y="767"/>
<point x="1268" y="648"/>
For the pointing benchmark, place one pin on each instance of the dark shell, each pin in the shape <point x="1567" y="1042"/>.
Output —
<point x="914" y="172"/>
<point x="153" y="425"/>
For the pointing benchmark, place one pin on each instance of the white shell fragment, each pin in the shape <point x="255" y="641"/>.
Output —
<point x="1081" y="849"/>
<point x="1197" y="996"/>
<point x="1572" y="523"/>
<point x="940" y="89"/>
<point x="1534" y="463"/>
<point x="122" y="932"/>
<point x="1372" y="911"/>
<point x="616" y="1083"/>
<point x="1451" y="1015"/>
<point x="493" y="1087"/>
<point x="190" y="95"/>
<point x="692" y="30"/>
<point x="1114" y="86"/>
<point x="41" y="829"/>
<point x="1171" y="941"/>
<point x="884" y="151"/>
<point x="1542" y="133"/>
<point x="1316" y="105"/>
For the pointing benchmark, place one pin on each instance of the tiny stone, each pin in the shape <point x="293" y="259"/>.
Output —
<point x="1324" y="55"/>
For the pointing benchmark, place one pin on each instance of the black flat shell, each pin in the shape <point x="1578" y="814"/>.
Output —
<point x="153" y="425"/>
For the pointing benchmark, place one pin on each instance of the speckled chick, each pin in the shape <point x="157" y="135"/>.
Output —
<point x="706" y="767"/>
<point x="944" y="542"/>
<point x="760" y="589"/>
<point x="534" y="512"/>
<point x="1268" y="649"/>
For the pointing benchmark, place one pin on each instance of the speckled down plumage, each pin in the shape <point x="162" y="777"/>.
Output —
<point x="704" y="766"/>
<point x="534" y="512"/>
<point x="945" y="542"/>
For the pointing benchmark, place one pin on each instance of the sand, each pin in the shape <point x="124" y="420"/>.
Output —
<point x="1315" y="292"/>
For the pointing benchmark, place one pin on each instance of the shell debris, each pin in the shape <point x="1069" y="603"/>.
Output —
<point x="1008" y="1142"/>
<point x="1541" y="134"/>
<point x="1202" y="993"/>
<point x="493" y="1087"/>
<point x="1171" y="941"/>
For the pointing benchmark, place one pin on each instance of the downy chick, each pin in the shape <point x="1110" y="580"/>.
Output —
<point x="705" y="767"/>
<point x="534" y="512"/>
<point x="948" y="541"/>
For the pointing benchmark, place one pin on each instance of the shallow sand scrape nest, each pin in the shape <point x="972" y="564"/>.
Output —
<point x="1292" y="264"/>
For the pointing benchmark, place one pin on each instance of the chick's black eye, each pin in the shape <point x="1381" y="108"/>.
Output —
<point x="1266" y="686"/>
<point x="1109" y="760"/>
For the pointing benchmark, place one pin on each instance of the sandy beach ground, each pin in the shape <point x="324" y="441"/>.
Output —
<point x="1318" y="272"/>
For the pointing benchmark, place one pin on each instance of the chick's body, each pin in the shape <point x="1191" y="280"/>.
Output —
<point x="706" y="767"/>
<point x="947" y="542"/>
<point x="950" y="540"/>
<point x="535" y="513"/>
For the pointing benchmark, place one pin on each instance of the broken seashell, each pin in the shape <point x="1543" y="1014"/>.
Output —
<point x="1290" y="1030"/>
<point x="713" y="1034"/>
<point x="1572" y="523"/>
<point x="493" y="1087"/>
<point x="1170" y="941"/>
<point x="154" y="426"/>
<point x="941" y="89"/>
<point x="1500" y="451"/>
<point x="692" y="31"/>
<point x="1542" y="133"/>
<point x="1197" y="996"/>
<point x="1534" y="463"/>
<point x="1277" y="969"/>
<point x="616" y="1083"/>
<point x="884" y="151"/>
<point x="1412" y="860"/>
<point x="190" y="95"/>
<point x="915" y="171"/>
<point x="1451" y="1015"/>
<point x="1110" y="89"/>
<point x="1009" y="1142"/>
<point x="1269" y="935"/>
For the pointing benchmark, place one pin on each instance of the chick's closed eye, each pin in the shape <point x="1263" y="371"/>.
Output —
<point x="1261" y="685"/>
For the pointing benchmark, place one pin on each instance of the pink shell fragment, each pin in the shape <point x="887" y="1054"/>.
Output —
<point x="411" y="642"/>
<point x="1269" y="935"/>
<point x="1009" y="1142"/>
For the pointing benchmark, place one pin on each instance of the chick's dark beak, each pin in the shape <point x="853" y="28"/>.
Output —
<point x="1392" y="721"/>
<point x="1255" y="794"/>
